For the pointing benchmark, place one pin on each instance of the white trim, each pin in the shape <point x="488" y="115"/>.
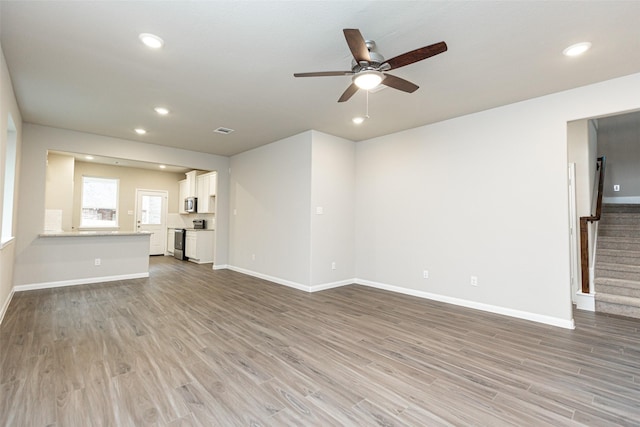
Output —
<point x="8" y="242"/>
<point x="5" y="306"/>
<point x="295" y="285"/>
<point x="277" y="280"/>
<point x="331" y="285"/>
<point x="585" y="301"/>
<point x="74" y="282"/>
<point x="554" y="321"/>
<point x="548" y="320"/>
<point x="632" y="200"/>
<point x="165" y="214"/>
<point x="221" y="267"/>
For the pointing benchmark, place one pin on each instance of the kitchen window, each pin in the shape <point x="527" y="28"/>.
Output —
<point x="99" y="202"/>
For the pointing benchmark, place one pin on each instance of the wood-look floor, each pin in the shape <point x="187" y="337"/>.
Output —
<point x="194" y="347"/>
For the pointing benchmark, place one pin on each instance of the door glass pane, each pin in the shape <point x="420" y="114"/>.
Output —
<point x="151" y="210"/>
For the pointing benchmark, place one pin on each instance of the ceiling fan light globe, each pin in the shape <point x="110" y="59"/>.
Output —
<point x="368" y="79"/>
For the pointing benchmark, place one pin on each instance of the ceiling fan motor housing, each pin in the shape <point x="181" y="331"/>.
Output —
<point x="375" y="63"/>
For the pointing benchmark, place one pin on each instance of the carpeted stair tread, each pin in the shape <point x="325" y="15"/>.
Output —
<point x="620" y="208"/>
<point x="617" y="309"/>
<point x="618" y="252"/>
<point x="612" y="281"/>
<point x="625" y="230"/>
<point x="618" y="290"/>
<point x="621" y="243"/>
<point x="625" y="268"/>
<point x="617" y="269"/>
<point x="618" y="299"/>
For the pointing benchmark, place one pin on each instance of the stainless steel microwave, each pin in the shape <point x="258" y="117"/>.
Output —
<point x="191" y="204"/>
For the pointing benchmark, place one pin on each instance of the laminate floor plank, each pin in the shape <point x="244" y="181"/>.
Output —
<point x="190" y="346"/>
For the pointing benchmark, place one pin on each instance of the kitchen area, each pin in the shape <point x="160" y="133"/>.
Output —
<point x="88" y="196"/>
<point x="191" y="232"/>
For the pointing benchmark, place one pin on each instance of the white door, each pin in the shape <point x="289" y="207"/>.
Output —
<point x="151" y="216"/>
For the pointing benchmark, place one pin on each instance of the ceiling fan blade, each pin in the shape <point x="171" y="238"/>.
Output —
<point x="351" y="90"/>
<point x="400" y="84"/>
<point x="324" y="74"/>
<point x="417" y="55"/>
<point x="357" y="45"/>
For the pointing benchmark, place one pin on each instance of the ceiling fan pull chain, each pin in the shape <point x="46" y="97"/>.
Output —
<point x="367" y="110"/>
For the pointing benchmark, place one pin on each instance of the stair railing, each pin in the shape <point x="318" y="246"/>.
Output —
<point x="584" y="229"/>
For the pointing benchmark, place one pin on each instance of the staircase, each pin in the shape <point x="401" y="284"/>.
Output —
<point x="617" y="267"/>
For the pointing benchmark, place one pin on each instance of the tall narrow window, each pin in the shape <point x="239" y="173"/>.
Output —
<point x="9" y="181"/>
<point x="99" y="202"/>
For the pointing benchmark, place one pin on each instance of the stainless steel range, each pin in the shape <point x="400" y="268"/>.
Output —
<point x="178" y="247"/>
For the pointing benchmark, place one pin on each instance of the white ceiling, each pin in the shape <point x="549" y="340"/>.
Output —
<point x="80" y="65"/>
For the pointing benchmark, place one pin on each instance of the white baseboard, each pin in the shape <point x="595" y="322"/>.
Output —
<point x="74" y="282"/>
<point x="295" y="285"/>
<point x="548" y="320"/>
<point x="277" y="280"/>
<point x="221" y="267"/>
<point x="5" y="306"/>
<point x="585" y="301"/>
<point x="331" y="285"/>
<point x="630" y="200"/>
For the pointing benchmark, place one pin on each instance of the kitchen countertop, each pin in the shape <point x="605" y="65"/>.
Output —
<point x="92" y="233"/>
<point x="191" y="229"/>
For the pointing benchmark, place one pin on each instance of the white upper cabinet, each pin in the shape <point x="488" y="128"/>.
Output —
<point x="204" y="187"/>
<point x="182" y="194"/>
<point x="192" y="184"/>
<point x="207" y="185"/>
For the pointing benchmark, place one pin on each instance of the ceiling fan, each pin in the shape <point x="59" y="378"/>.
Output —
<point x="368" y="68"/>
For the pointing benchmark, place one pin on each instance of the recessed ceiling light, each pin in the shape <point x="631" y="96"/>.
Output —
<point x="358" y="120"/>
<point x="577" y="49"/>
<point x="140" y="131"/>
<point x="162" y="166"/>
<point x="88" y="157"/>
<point x="161" y="110"/>
<point x="151" y="40"/>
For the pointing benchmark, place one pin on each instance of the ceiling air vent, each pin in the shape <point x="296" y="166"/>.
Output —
<point x="224" y="131"/>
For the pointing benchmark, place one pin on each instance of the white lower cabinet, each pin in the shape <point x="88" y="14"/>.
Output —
<point x="199" y="246"/>
<point x="171" y="240"/>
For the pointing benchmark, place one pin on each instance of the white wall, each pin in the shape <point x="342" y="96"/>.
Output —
<point x="270" y="195"/>
<point x="333" y="190"/>
<point x="276" y="191"/>
<point x="582" y="150"/>
<point x="8" y="105"/>
<point x="30" y="260"/>
<point x="59" y="188"/>
<point x="619" y="141"/>
<point x="483" y="195"/>
<point x="63" y="261"/>
<point x="129" y="180"/>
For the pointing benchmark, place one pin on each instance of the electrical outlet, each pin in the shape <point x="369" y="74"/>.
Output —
<point x="333" y="265"/>
<point x="616" y="187"/>
<point x="474" y="280"/>
<point x="97" y="261"/>
<point x="425" y="274"/>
